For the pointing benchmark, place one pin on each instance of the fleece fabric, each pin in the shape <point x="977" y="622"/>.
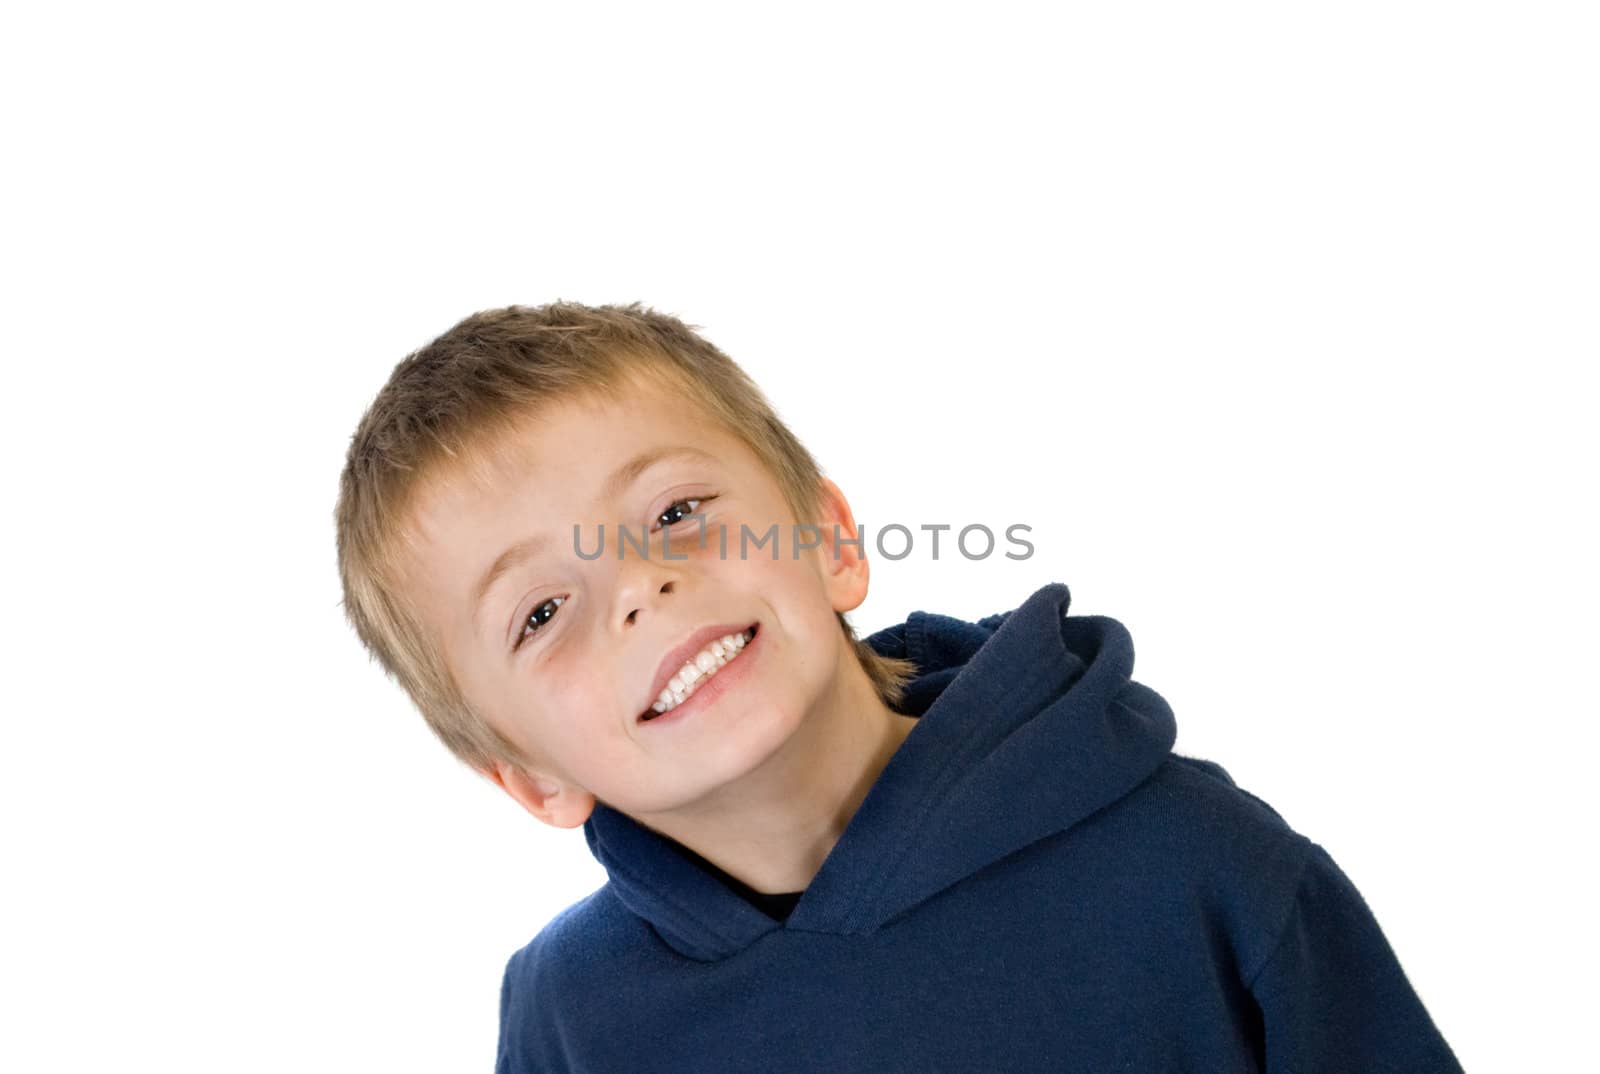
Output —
<point x="1035" y="882"/>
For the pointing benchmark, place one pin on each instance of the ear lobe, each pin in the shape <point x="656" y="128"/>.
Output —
<point x="532" y="793"/>
<point x="554" y="803"/>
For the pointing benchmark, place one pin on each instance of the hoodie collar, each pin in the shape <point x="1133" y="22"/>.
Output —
<point x="1028" y="721"/>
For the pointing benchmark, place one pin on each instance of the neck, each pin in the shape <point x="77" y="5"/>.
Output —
<point x="774" y="828"/>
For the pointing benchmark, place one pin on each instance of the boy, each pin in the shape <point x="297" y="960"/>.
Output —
<point x="615" y="584"/>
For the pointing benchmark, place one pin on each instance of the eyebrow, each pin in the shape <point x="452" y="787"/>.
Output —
<point x="621" y="478"/>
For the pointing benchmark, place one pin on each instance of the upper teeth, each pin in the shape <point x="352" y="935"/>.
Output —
<point x="706" y="663"/>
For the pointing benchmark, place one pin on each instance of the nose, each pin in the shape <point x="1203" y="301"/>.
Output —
<point x="641" y="587"/>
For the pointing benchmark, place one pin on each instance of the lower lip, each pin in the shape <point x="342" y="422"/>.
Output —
<point x="724" y="680"/>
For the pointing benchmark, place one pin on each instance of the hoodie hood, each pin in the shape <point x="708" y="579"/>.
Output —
<point x="1028" y="722"/>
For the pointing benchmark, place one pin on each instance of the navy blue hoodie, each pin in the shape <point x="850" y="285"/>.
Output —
<point x="1035" y="882"/>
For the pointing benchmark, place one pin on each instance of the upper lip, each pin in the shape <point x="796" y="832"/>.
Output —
<point x="679" y="655"/>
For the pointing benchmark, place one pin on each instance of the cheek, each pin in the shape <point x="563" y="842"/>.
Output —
<point x="580" y="707"/>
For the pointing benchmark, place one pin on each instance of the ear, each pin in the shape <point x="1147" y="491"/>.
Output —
<point x="845" y="571"/>
<point x="555" y="803"/>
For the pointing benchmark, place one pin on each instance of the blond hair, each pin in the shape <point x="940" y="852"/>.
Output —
<point x="446" y="406"/>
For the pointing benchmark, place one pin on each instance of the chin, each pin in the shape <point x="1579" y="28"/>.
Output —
<point x="738" y="754"/>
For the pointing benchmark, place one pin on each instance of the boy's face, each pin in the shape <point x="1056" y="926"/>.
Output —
<point x="571" y="691"/>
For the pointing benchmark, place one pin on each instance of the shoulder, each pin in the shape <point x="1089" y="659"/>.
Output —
<point x="1204" y="783"/>
<point x="547" y="980"/>
<point x="577" y="937"/>
<point x="1199" y="838"/>
<point x="1219" y="820"/>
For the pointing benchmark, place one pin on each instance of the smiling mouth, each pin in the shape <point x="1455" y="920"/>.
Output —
<point x="680" y="688"/>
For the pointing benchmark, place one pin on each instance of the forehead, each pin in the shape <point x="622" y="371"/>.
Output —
<point x="583" y="437"/>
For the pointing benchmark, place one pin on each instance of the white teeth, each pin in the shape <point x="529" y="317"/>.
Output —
<point x="706" y="663"/>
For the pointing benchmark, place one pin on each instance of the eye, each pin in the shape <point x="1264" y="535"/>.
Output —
<point x="536" y="620"/>
<point x="672" y="516"/>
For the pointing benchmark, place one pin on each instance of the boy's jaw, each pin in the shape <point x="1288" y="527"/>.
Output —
<point x="679" y="655"/>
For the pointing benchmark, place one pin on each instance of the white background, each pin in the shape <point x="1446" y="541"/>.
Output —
<point x="1273" y="322"/>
